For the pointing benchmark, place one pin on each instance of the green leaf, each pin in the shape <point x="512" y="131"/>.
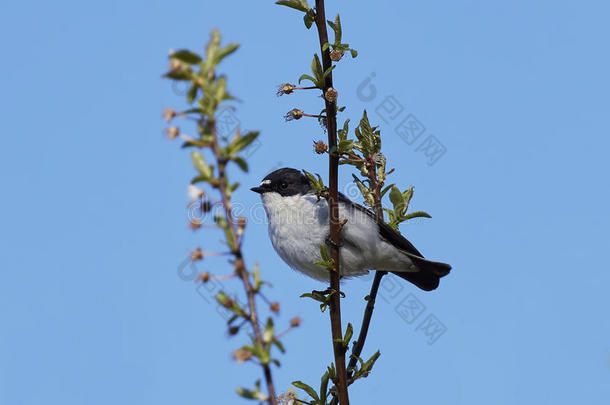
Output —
<point x="221" y="89"/>
<point x="200" y="164"/>
<point x="186" y="56"/>
<point x="191" y="111"/>
<point x="195" y="142"/>
<point x="232" y="187"/>
<point x="226" y="51"/>
<point x="179" y="74"/>
<point x="311" y="79"/>
<point x="327" y="71"/>
<point x="261" y="353"/>
<point x="407" y="195"/>
<point x="348" y="334"/>
<point x="385" y="190"/>
<point x="279" y="345"/>
<point x="369" y="199"/>
<point x="249" y="394"/>
<point x="353" y="52"/>
<point x="326" y="261"/>
<point x="325" y="46"/>
<point x="316" y="69"/>
<point x="332" y="374"/>
<point x="416" y="214"/>
<point x="309" y="18"/>
<point x="345" y="145"/>
<point x="257" y="277"/>
<point x="316" y="183"/>
<point x="368" y="365"/>
<point x="324" y="252"/>
<point x="241" y="163"/>
<point x="336" y="27"/>
<point x="397" y="200"/>
<point x="191" y="95"/>
<point x="310" y="391"/>
<point x="324" y="387"/>
<point x="300" y="5"/>
<point x="268" y="331"/>
<point x="229" y="238"/>
<point x="343" y="132"/>
<point x="243" y="141"/>
<point x="212" y="47"/>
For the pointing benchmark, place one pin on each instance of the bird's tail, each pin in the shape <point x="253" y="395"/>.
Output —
<point x="429" y="274"/>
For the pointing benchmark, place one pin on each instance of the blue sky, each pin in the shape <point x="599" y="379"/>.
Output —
<point x="93" y="216"/>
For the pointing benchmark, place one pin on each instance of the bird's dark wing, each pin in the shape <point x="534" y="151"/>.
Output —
<point x="386" y="231"/>
<point x="427" y="278"/>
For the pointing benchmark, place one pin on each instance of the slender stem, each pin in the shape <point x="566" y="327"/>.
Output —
<point x="335" y="228"/>
<point x="375" y="185"/>
<point x="366" y="321"/>
<point x="240" y="268"/>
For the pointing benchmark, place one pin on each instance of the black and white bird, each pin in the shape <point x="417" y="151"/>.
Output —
<point x="298" y="226"/>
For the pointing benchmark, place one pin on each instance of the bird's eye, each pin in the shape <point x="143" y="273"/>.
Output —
<point x="283" y="185"/>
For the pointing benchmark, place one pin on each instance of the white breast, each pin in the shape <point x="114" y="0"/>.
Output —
<point x="298" y="226"/>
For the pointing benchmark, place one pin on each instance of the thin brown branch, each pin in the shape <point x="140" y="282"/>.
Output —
<point x="240" y="268"/>
<point x="366" y="321"/>
<point x="376" y="185"/>
<point x="333" y="170"/>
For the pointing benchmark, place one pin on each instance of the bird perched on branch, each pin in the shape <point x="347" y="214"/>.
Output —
<point x="299" y="225"/>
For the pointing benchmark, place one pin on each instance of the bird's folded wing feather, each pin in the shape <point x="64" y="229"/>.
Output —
<point x="385" y="231"/>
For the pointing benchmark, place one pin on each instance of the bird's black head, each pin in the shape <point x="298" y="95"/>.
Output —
<point x="285" y="181"/>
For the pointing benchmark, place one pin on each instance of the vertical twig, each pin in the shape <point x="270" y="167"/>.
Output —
<point x="375" y="186"/>
<point x="240" y="268"/>
<point x="333" y="170"/>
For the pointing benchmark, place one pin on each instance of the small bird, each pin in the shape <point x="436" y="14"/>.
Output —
<point x="299" y="225"/>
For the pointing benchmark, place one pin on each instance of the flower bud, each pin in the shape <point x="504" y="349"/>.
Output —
<point x="241" y="355"/>
<point x="285" y="88"/>
<point x="196" y="255"/>
<point x="320" y="147"/>
<point x="294" y="114"/>
<point x="172" y="132"/>
<point x="295" y="322"/>
<point x="203" y="277"/>
<point x="275" y="307"/>
<point x="331" y="94"/>
<point x="169" y="114"/>
<point x="335" y="55"/>
<point x="194" y="192"/>
<point x="194" y="224"/>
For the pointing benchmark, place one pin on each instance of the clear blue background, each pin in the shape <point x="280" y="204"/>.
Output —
<point x="93" y="220"/>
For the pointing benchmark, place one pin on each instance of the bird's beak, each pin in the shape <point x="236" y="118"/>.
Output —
<point x="259" y="190"/>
